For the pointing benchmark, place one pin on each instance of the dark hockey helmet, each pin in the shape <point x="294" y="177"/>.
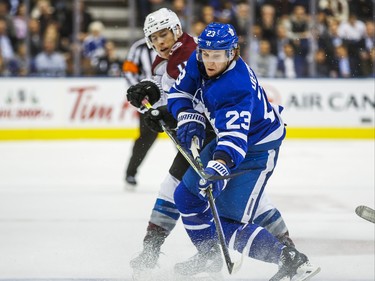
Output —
<point x="218" y="36"/>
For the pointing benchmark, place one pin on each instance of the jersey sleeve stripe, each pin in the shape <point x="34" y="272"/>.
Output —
<point x="233" y="134"/>
<point x="233" y="146"/>
<point x="196" y="227"/>
<point x="275" y="135"/>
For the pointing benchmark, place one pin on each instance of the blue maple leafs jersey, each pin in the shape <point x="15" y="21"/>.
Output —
<point x="235" y="104"/>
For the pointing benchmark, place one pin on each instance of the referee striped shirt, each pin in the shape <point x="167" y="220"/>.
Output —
<point x="138" y="62"/>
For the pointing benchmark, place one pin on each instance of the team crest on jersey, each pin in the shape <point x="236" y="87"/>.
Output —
<point x="175" y="47"/>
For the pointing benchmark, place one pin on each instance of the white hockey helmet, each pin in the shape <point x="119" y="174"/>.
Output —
<point x="161" y="19"/>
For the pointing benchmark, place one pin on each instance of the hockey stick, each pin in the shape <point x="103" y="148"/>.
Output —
<point x="232" y="267"/>
<point x="366" y="213"/>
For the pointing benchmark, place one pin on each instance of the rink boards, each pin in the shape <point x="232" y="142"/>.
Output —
<point x="96" y="108"/>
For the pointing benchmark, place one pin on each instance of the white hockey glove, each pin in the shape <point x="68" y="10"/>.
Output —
<point x="214" y="168"/>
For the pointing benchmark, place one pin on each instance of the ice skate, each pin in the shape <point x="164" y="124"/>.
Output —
<point x="148" y="258"/>
<point x="209" y="261"/>
<point x="294" y="266"/>
<point x="130" y="183"/>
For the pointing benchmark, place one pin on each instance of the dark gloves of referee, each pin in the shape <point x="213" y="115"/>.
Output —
<point x="146" y="89"/>
<point x="153" y="117"/>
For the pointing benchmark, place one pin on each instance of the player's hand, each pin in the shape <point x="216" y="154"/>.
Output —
<point x="153" y="116"/>
<point x="213" y="168"/>
<point x="146" y="89"/>
<point x="190" y="123"/>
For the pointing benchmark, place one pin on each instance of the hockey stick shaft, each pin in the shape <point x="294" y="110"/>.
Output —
<point x="215" y="214"/>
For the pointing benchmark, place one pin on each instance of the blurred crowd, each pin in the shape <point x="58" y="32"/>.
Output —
<point x="278" y="38"/>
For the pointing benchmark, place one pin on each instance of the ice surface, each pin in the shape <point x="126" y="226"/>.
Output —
<point x="64" y="213"/>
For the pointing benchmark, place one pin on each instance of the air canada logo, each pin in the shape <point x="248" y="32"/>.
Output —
<point x="22" y="105"/>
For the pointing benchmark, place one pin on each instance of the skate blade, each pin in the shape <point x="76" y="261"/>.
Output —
<point x="304" y="274"/>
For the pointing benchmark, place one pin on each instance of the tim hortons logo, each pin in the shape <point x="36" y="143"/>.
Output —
<point x="85" y="108"/>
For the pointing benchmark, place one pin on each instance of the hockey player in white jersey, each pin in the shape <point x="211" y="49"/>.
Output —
<point x="217" y="82"/>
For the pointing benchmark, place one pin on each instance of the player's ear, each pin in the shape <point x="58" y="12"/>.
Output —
<point x="178" y="31"/>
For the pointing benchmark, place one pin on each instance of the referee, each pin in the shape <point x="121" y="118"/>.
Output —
<point x="137" y="66"/>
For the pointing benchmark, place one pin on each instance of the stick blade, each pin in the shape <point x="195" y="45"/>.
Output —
<point x="366" y="213"/>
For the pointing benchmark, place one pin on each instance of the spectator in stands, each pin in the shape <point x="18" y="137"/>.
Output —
<point x="366" y="63"/>
<point x="285" y="7"/>
<point x="208" y="14"/>
<point x="86" y="20"/>
<point x="64" y="19"/>
<point x="353" y="29"/>
<point x="197" y="28"/>
<point x="321" y="26"/>
<point x="94" y="43"/>
<point x="369" y="35"/>
<point x="298" y="31"/>
<point x="287" y="66"/>
<point x="5" y="16"/>
<point x="339" y="9"/>
<point x="330" y="40"/>
<point x="179" y="7"/>
<point x="242" y="24"/>
<point x="6" y="48"/>
<point x="372" y="61"/>
<point x="353" y="33"/>
<point x="267" y="22"/>
<point x="36" y="40"/>
<point x="323" y="68"/>
<point x="254" y="44"/>
<point x="264" y="63"/>
<point x="18" y="66"/>
<point x="364" y="9"/>
<point x="19" y="22"/>
<point x="343" y="62"/>
<point x="109" y="64"/>
<point x="281" y="40"/>
<point x="225" y="12"/>
<point x="50" y="62"/>
<point x="3" y="67"/>
<point x="45" y="15"/>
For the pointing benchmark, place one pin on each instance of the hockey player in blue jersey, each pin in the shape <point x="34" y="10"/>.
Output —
<point x="218" y="85"/>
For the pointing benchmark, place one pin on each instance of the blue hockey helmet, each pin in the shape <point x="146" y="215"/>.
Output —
<point x="217" y="36"/>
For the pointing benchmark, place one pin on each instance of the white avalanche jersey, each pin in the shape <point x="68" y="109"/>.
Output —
<point x="166" y="72"/>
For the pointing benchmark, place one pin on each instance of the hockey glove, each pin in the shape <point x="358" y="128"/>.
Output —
<point x="153" y="116"/>
<point x="213" y="168"/>
<point x="147" y="88"/>
<point x="190" y="123"/>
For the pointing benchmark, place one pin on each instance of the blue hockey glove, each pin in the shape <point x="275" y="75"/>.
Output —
<point x="190" y="123"/>
<point x="214" y="168"/>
